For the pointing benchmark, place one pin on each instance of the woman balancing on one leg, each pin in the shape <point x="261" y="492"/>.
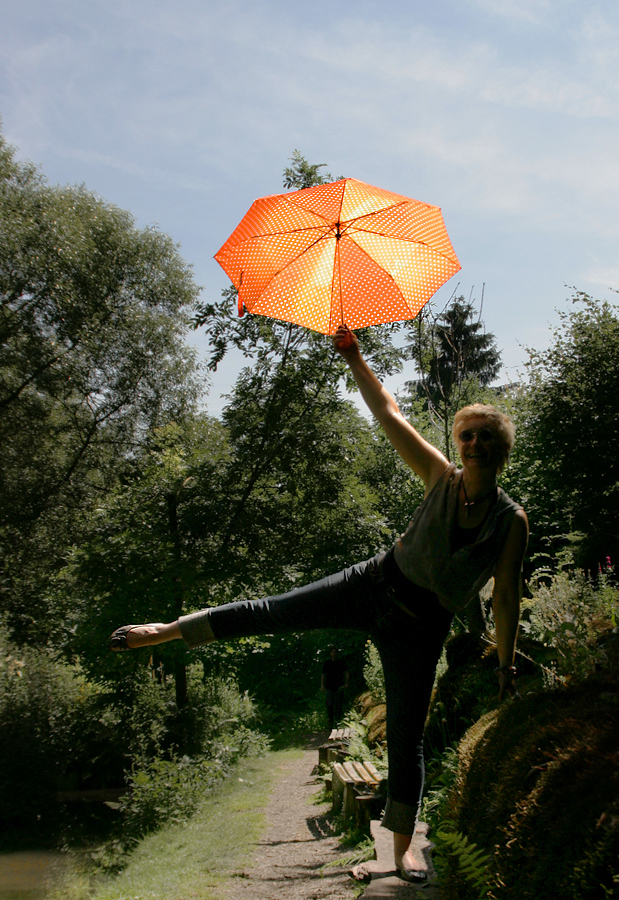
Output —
<point x="466" y="530"/>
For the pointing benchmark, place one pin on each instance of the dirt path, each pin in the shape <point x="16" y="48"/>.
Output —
<point x="296" y="843"/>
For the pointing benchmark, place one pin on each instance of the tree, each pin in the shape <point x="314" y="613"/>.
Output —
<point x="454" y="356"/>
<point x="565" y="467"/>
<point x="93" y="313"/>
<point x="302" y="174"/>
<point x="291" y="388"/>
<point x="151" y="546"/>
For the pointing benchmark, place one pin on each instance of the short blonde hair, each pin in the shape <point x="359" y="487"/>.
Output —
<point x="500" y="424"/>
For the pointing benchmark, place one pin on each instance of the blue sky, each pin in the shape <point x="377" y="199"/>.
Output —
<point x="502" y="112"/>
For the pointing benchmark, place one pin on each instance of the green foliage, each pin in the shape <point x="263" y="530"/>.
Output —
<point x="302" y="174"/>
<point x="565" y="616"/>
<point x="152" y="544"/>
<point x="373" y="673"/>
<point x="297" y="496"/>
<point x="360" y="747"/>
<point x="440" y="777"/>
<point x="62" y="732"/>
<point x="361" y="852"/>
<point x="397" y="491"/>
<point x="456" y="359"/>
<point x="93" y="313"/>
<point x="54" y="732"/>
<point x="565" y="468"/>
<point x="168" y="786"/>
<point x="465" y="868"/>
<point x="170" y="790"/>
<point x="167" y="790"/>
<point x="471" y="864"/>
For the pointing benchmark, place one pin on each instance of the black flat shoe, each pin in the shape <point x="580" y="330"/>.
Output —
<point x="413" y="876"/>
<point x="118" y="641"/>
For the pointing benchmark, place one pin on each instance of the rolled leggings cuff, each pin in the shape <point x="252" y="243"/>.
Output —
<point x="400" y="817"/>
<point x="196" y="628"/>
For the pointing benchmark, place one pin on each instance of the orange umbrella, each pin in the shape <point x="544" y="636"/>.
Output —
<point x="338" y="253"/>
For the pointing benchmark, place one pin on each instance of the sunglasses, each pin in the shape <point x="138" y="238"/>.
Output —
<point x="484" y="435"/>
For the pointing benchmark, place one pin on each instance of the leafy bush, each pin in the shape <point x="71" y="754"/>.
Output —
<point x="468" y="863"/>
<point x="565" y="616"/>
<point x="216" y="707"/>
<point x="167" y="790"/>
<point x="360" y="747"/>
<point x="171" y="789"/>
<point x="62" y="732"/>
<point x="538" y="790"/>
<point x="43" y="703"/>
<point x="373" y="673"/>
<point x="170" y="786"/>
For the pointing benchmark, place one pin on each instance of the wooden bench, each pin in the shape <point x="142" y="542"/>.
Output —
<point x="334" y="750"/>
<point x="355" y="790"/>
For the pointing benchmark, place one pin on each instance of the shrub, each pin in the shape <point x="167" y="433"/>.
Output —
<point x="538" y="790"/>
<point x="216" y="724"/>
<point x="565" y="616"/>
<point x="167" y="790"/>
<point x="62" y="732"/>
<point x="43" y="703"/>
<point x="373" y="673"/>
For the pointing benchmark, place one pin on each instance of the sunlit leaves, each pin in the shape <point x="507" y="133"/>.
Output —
<point x="566" y="462"/>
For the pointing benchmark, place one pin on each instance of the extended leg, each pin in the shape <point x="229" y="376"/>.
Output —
<point x="130" y="637"/>
<point x="346" y="600"/>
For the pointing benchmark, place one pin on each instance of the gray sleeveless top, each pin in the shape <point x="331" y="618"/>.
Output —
<point x="424" y="554"/>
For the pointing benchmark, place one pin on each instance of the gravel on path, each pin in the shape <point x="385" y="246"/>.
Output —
<point x="297" y="842"/>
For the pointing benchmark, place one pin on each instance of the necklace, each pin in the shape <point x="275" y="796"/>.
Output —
<point x="468" y="503"/>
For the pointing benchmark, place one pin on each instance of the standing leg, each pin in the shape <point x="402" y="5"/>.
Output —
<point x="409" y="650"/>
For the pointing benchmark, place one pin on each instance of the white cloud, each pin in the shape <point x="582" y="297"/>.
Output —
<point x="532" y="12"/>
<point x="605" y="276"/>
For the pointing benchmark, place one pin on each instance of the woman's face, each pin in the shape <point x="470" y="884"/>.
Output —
<point x="478" y="444"/>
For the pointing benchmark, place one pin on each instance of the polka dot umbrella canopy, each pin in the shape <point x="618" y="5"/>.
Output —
<point x="338" y="253"/>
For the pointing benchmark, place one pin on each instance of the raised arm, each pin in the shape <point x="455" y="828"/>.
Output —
<point x="424" y="459"/>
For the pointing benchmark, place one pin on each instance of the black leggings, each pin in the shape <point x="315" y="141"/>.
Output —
<point x="406" y="623"/>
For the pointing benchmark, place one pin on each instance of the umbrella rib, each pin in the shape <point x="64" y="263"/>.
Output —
<point x="268" y="234"/>
<point x="327" y="221"/>
<point x="405" y="240"/>
<point x="339" y="273"/>
<point x="382" y="268"/>
<point x="338" y="237"/>
<point x="382" y="233"/>
<point x="322" y="237"/>
<point x="376" y="212"/>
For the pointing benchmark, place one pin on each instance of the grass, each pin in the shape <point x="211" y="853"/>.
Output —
<point x="194" y="860"/>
